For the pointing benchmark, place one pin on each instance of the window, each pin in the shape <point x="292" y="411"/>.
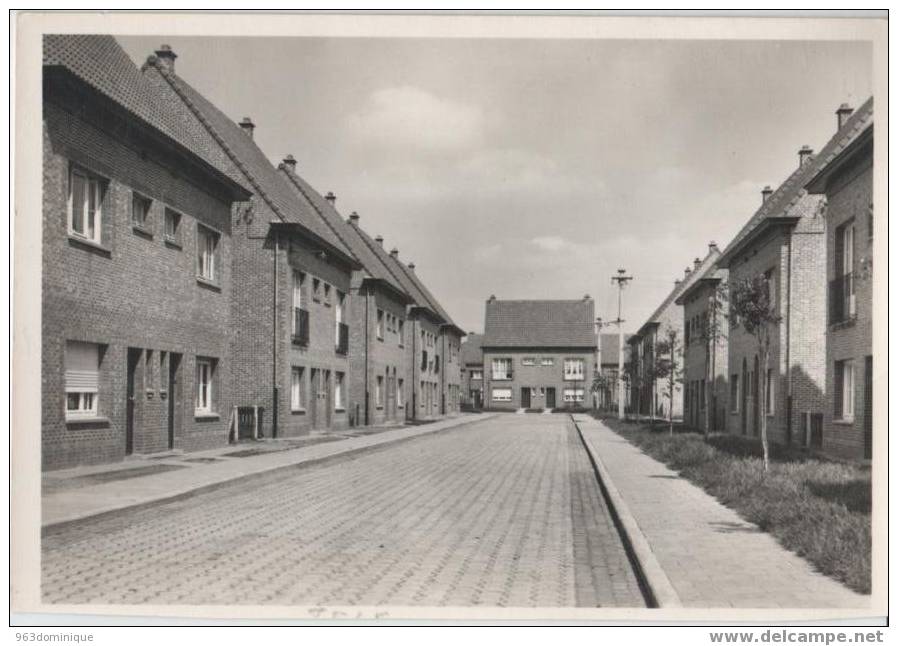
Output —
<point x="844" y="399"/>
<point x="477" y="374"/>
<point x="769" y="384"/>
<point x="436" y="363"/>
<point x="528" y="361"/>
<point x="501" y="369"/>
<point x="82" y="379"/>
<point x="701" y="394"/>
<point x="316" y="290"/>
<point x="573" y="395"/>
<point x="150" y="372"/>
<point x="379" y="392"/>
<point x="734" y="393"/>
<point x="341" y="339"/>
<point x="501" y="394"/>
<point x="573" y="369"/>
<point x="380" y="325"/>
<point x="85" y="201"/>
<point x="770" y="284"/>
<point x="207" y="251"/>
<point x="327" y="293"/>
<point x="297" y="395"/>
<point x="338" y="391"/>
<point x="299" y="279"/>
<point x="140" y="210"/>
<point x="422" y="395"/>
<point x="547" y="361"/>
<point x="401" y="333"/>
<point x="163" y="373"/>
<point x="172" y="226"/>
<point x="400" y="402"/>
<point x="205" y="369"/>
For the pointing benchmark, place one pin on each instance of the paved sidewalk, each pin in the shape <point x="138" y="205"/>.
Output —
<point x="80" y="493"/>
<point x="712" y="557"/>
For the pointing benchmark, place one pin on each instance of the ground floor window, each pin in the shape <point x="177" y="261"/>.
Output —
<point x="297" y="400"/>
<point x="82" y="379"/>
<point x="501" y="394"/>
<point x="338" y="391"/>
<point x="734" y="393"/>
<point x="573" y="395"/>
<point x="205" y="370"/>
<point x="769" y="384"/>
<point x="379" y="392"/>
<point x="844" y="395"/>
<point x="400" y="402"/>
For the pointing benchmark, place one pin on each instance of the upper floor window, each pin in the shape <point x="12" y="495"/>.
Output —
<point x="172" y="226"/>
<point x="207" y="252"/>
<point x="316" y="289"/>
<point x="298" y="282"/>
<point x="86" y="192"/>
<point x="140" y="210"/>
<point x="501" y="369"/>
<point x="573" y="369"/>
<point x="327" y="293"/>
<point x="770" y="284"/>
<point x="401" y="332"/>
<point x="528" y="361"/>
<point x="380" y="325"/>
<point x="547" y="361"/>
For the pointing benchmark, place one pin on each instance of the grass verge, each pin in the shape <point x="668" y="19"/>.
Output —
<point x="818" y="509"/>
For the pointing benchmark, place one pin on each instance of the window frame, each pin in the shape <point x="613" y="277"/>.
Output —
<point x="139" y="198"/>
<point x="96" y="184"/>
<point x="339" y="395"/>
<point x="573" y="375"/>
<point x="297" y="388"/>
<point x="206" y="233"/>
<point x="379" y="392"/>
<point x="87" y="396"/>
<point x="209" y="364"/>
<point x="170" y="214"/>
<point x="494" y="391"/>
<point x="496" y="374"/>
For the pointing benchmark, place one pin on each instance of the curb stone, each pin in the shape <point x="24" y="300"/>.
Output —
<point x="659" y="588"/>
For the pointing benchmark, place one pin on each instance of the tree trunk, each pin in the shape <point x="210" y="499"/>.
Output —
<point x="765" y="353"/>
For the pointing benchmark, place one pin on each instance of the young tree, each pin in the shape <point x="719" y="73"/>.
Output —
<point x="713" y="329"/>
<point x="753" y="311"/>
<point x="631" y="374"/>
<point x="667" y="367"/>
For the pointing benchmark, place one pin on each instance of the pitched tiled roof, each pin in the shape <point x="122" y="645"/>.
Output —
<point x="710" y="270"/>
<point x="854" y="127"/>
<point x="242" y="150"/>
<point x="352" y="236"/>
<point x="101" y="62"/>
<point x="548" y="323"/>
<point x="428" y="296"/>
<point x="472" y="350"/>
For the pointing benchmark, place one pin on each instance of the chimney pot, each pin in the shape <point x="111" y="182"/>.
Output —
<point x="290" y="163"/>
<point x="696" y="263"/>
<point x="394" y="252"/>
<point x="842" y="115"/>
<point x="804" y="155"/>
<point x="585" y="297"/>
<point x="330" y="197"/>
<point x="686" y="272"/>
<point x="765" y="193"/>
<point x="354" y="218"/>
<point x="411" y="266"/>
<point x="248" y="126"/>
<point x="712" y="246"/>
<point x="492" y="297"/>
<point x="379" y="240"/>
<point x="165" y="57"/>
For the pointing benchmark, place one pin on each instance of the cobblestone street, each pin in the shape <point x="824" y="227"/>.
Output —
<point x="505" y="512"/>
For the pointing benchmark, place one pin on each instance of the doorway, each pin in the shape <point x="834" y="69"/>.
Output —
<point x="550" y="397"/>
<point x="133" y="362"/>
<point x="174" y="398"/>
<point x="525" y="397"/>
<point x="314" y="396"/>
<point x="328" y="406"/>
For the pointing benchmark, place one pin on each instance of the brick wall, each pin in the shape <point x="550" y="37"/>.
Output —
<point x="537" y="376"/>
<point x="701" y="365"/>
<point x="133" y="291"/>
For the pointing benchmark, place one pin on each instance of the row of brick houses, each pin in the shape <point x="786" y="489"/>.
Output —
<point x="811" y="240"/>
<point x="193" y="294"/>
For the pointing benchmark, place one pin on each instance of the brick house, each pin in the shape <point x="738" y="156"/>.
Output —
<point x="609" y="352"/>
<point x="377" y="317"/>
<point x="432" y="347"/>
<point x="472" y="371"/>
<point x="539" y="354"/>
<point x="649" y="395"/>
<point x="292" y="280"/>
<point x="136" y="265"/>
<point x="705" y="349"/>
<point x="844" y="175"/>
<point x="784" y="242"/>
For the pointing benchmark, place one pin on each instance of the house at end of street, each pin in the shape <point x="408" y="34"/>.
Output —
<point x="538" y="354"/>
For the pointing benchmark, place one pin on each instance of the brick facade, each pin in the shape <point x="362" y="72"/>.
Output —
<point x="541" y="380"/>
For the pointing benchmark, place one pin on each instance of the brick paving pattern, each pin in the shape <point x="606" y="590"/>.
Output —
<point x="712" y="556"/>
<point x="501" y="513"/>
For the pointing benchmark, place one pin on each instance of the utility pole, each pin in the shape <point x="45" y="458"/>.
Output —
<point x="621" y="279"/>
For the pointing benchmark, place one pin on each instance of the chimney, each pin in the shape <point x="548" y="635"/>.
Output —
<point x="586" y="297"/>
<point x="677" y="282"/>
<point x="411" y="266"/>
<point x="765" y="193"/>
<point x="394" y="252"/>
<point x="804" y="155"/>
<point x="354" y="219"/>
<point x="379" y="240"/>
<point x="166" y="58"/>
<point x="248" y="126"/>
<point x="842" y="114"/>
<point x="491" y="298"/>
<point x="696" y="263"/>
<point x="290" y="163"/>
<point x="330" y="197"/>
<point x="712" y="247"/>
<point x="686" y="273"/>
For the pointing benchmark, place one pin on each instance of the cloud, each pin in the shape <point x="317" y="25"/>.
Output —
<point x="550" y="243"/>
<point x="409" y="117"/>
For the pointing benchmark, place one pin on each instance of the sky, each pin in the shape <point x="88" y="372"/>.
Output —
<point x="535" y="168"/>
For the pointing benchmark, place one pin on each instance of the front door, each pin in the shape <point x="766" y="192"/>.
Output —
<point x="525" y="397"/>
<point x="174" y="398"/>
<point x="133" y="362"/>
<point x="550" y="397"/>
<point x="314" y="387"/>
<point x="868" y="407"/>
<point x="326" y="398"/>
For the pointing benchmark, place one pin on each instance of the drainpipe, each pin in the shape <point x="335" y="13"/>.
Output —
<point x="788" y="336"/>
<point x="274" y="342"/>
<point x="367" y="350"/>
<point x="414" y="372"/>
